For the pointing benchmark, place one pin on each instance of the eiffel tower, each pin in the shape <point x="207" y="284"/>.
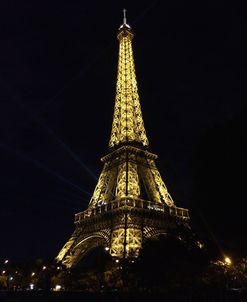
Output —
<point x="130" y="203"/>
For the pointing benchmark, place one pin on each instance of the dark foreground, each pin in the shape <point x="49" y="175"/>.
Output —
<point x="40" y="296"/>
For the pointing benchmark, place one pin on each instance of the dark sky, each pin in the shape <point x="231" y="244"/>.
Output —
<point x="58" y="63"/>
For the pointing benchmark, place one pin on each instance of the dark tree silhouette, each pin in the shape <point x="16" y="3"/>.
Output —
<point x="219" y="196"/>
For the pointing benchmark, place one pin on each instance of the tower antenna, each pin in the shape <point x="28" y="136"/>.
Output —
<point x="124" y="16"/>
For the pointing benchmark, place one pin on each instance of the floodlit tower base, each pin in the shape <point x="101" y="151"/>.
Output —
<point x="122" y="226"/>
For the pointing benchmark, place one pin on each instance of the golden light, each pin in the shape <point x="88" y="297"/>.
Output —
<point x="33" y="274"/>
<point x="228" y="261"/>
<point x="119" y="184"/>
<point x="58" y="287"/>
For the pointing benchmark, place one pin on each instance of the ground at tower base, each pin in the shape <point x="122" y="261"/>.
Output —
<point x="167" y="269"/>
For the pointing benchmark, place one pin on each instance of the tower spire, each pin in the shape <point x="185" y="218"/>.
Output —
<point x="124" y="16"/>
<point x="128" y="125"/>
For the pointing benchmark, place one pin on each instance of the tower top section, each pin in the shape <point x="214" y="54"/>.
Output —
<point x="125" y="25"/>
<point x="128" y="125"/>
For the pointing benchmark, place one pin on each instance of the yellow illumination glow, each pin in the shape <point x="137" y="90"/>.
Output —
<point x="129" y="180"/>
<point x="128" y="125"/>
<point x="58" y="287"/>
<point x="228" y="261"/>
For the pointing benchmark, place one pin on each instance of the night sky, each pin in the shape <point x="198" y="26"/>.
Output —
<point x="58" y="67"/>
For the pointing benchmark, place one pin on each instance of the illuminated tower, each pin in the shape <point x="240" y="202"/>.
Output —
<point x="130" y="203"/>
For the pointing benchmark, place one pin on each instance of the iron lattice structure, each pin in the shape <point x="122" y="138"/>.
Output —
<point x="130" y="203"/>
